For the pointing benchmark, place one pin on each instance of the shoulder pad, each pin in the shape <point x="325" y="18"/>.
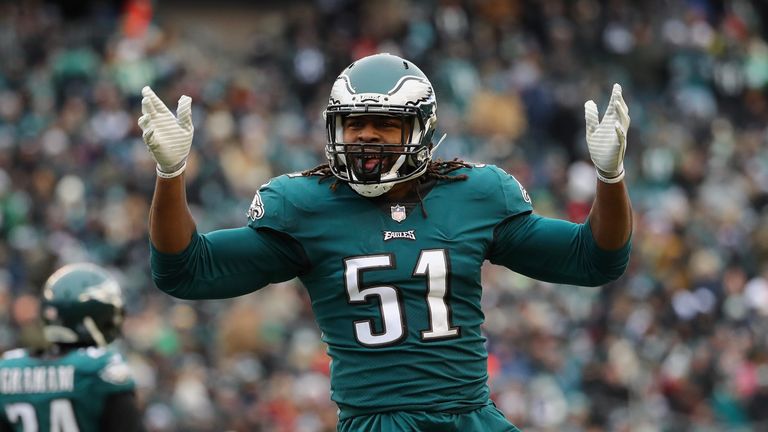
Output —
<point x="503" y="187"/>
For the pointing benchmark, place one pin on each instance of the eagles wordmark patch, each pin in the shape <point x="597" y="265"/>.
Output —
<point x="408" y="235"/>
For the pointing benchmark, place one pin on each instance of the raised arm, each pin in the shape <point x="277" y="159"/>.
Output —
<point x="189" y="265"/>
<point x="611" y="215"/>
<point x="592" y="253"/>
<point x="169" y="140"/>
<point x="170" y="222"/>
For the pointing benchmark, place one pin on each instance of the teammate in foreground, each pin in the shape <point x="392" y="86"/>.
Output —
<point x="78" y="384"/>
<point x="389" y="244"/>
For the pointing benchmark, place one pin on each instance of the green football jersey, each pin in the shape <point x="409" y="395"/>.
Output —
<point x="397" y="294"/>
<point x="395" y="286"/>
<point x="65" y="393"/>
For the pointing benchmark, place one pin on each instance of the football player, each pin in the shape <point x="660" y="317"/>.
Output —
<point x="389" y="244"/>
<point x="77" y="384"/>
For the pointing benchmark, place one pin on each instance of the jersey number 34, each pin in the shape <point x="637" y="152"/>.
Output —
<point x="62" y="416"/>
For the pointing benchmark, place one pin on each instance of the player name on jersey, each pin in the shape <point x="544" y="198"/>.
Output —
<point x="38" y="379"/>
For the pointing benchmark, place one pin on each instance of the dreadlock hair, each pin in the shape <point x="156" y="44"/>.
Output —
<point x="439" y="169"/>
<point x="436" y="170"/>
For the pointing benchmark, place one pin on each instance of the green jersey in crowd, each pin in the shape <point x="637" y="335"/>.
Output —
<point x="395" y="286"/>
<point x="66" y="393"/>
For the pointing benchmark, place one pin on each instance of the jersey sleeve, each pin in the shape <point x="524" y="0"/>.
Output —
<point x="271" y="209"/>
<point x="115" y="385"/>
<point x="512" y="197"/>
<point x="226" y="263"/>
<point x="232" y="262"/>
<point x="555" y="250"/>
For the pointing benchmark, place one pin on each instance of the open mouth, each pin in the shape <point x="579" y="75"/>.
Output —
<point x="370" y="167"/>
<point x="372" y="164"/>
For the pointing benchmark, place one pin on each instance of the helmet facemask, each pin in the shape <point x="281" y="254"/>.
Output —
<point x="377" y="163"/>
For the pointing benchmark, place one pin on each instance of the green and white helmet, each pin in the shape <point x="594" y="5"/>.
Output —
<point x="381" y="84"/>
<point x="82" y="305"/>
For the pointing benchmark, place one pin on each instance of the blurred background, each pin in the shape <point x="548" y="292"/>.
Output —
<point x="677" y="344"/>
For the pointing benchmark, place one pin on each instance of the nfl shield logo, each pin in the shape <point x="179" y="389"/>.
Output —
<point x="398" y="213"/>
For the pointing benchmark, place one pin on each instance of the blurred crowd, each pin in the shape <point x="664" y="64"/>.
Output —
<point x="677" y="344"/>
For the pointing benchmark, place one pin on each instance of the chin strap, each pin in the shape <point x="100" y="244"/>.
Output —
<point x="370" y="191"/>
<point x="440" y="141"/>
<point x="94" y="331"/>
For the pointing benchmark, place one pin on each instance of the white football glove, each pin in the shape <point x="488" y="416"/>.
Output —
<point x="168" y="137"/>
<point x="607" y="139"/>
